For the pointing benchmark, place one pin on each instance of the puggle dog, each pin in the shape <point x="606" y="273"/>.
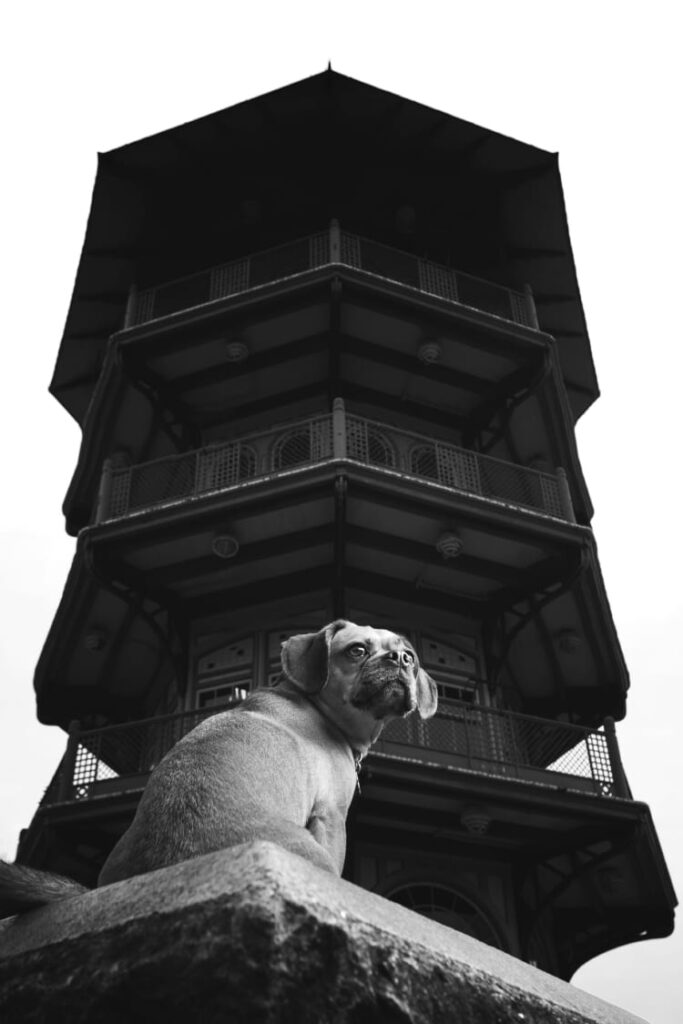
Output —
<point x="282" y="766"/>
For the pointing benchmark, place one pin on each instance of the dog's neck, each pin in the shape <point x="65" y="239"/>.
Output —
<point x="358" y="728"/>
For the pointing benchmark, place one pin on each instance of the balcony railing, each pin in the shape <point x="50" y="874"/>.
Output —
<point x="298" y="446"/>
<point x="330" y="248"/>
<point x="511" y="745"/>
<point x="119" y="758"/>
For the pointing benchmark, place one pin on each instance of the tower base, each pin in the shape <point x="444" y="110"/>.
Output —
<point x="255" y="934"/>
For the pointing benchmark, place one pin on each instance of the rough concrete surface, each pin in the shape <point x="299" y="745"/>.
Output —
<point x="255" y="934"/>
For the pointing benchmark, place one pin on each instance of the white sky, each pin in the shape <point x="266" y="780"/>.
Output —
<point x="597" y="81"/>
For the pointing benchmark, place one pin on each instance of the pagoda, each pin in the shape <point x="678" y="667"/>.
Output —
<point x="327" y="350"/>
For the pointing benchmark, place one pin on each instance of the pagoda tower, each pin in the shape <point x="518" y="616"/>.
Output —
<point x="327" y="351"/>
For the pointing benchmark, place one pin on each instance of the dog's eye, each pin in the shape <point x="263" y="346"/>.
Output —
<point x="409" y="655"/>
<point x="356" y="651"/>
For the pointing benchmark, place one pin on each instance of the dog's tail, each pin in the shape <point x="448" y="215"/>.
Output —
<point x="23" y="888"/>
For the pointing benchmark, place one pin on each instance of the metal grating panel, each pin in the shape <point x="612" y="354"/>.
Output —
<point x="118" y="497"/>
<point x="366" y="443"/>
<point x="438" y="280"/>
<point x="163" y="481"/>
<point x="506" y="481"/>
<point x="458" y="468"/>
<point x="229" y="279"/>
<point x="319" y="250"/>
<point x="350" y="250"/>
<point x="144" y="306"/>
<point x="321" y="439"/>
<point x="521" y="312"/>
<point x="225" y="466"/>
<point x="550" y="493"/>
<point x="279" y="263"/>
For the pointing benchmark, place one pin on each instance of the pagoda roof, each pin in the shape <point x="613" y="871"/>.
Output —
<point x="281" y="166"/>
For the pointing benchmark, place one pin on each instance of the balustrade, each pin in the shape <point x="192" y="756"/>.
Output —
<point x="305" y="443"/>
<point x="462" y="735"/>
<point x="333" y="247"/>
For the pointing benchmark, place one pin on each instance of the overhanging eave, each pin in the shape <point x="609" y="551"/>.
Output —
<point x="167" y="204"/>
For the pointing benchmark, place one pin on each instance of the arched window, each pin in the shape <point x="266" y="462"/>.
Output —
<point x="447" y="906"/>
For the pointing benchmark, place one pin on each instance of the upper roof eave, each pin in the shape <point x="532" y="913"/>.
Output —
<point x="330" y="124"/>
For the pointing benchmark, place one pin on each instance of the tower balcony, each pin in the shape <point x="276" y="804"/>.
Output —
<point x="117" y="759"/>
<point x="350" y="516"/>
<point x="328" y="249"/>
<point x="335" y="438"/>
<point x="401" y="339"/>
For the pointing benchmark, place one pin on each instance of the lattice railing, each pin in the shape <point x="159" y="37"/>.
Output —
<point x="125" y="751"/>
<point x="331" y="248"/>
<point x="457" y="468"/>
<point x="192" y="475"/>
<point x="509" y="744"/>
<point x="463" y="735"/>
<point x="294" y="446"/>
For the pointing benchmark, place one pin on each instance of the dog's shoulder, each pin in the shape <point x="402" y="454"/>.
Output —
<point x="277" y="706"/>
<point x="295" y="711"/>
<point x="271" y="703"/>
<point x="281" y="704"/>
<point x="282" y="709"/>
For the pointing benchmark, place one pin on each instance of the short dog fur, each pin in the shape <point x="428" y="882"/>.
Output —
<point x="282" y="766"/>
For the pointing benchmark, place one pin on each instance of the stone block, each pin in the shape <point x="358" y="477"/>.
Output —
<point x="256" y="935"/>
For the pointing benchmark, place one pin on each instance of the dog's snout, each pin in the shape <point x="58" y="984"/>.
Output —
<point x="398" y="657"/>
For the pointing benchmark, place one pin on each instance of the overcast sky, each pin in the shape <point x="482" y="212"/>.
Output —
<point x="597" y="81"/>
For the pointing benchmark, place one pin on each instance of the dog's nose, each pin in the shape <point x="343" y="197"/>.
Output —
<point x="397" y="657"/>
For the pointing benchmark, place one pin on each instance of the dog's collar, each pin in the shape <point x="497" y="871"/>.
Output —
<point x="358" y="757"/>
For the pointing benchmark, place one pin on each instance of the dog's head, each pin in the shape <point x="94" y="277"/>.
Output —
<point x="363" y="676"/>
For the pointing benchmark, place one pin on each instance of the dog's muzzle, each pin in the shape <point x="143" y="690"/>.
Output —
<point x="385" y="688"/>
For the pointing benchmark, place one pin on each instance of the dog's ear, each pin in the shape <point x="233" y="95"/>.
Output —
<point x="426" y="694"/>
<point x="305" y="658"/>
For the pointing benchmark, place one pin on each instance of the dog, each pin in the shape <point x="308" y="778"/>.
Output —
<point x="282" y="766"/>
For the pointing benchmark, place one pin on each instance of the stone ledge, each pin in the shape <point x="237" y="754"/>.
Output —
<point x="256" y="935"/>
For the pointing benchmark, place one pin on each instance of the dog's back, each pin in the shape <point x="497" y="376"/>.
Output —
<point x="256" y="771"/>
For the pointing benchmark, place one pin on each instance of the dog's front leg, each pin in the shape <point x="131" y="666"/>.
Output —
<point x="328" y="828"/>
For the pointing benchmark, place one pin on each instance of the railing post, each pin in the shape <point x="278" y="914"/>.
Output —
<point x="621" y="786"/>
<point x="531" y="306"/>
<point x="200" y="460"/>
<point x="66" y="772"/>
<point x="565" y="495"/>
<point x="338" y="429"/>
<point x="468" y="745"/>
<point x="104" y="492"/>
<point x="335" y="241"/>
<point x="129" y="318"/>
